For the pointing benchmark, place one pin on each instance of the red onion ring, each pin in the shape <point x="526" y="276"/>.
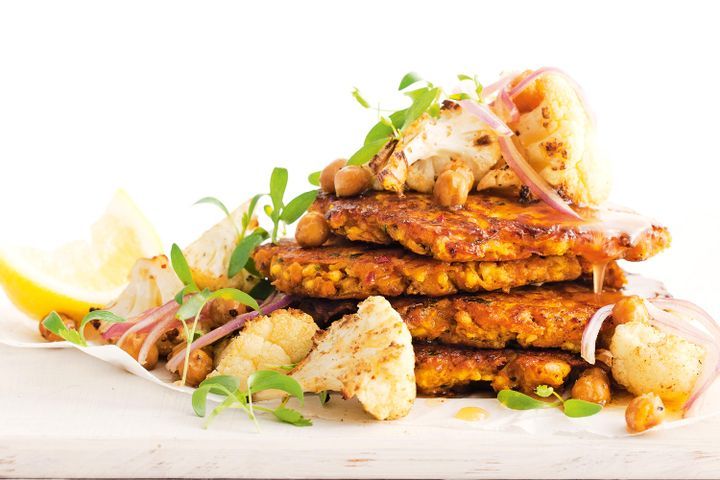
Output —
<point x="148" y="320"/>
<point x="165" y="324"/>
<point x="483" y="113"/>
<point x="498" y="85"/>
<point x="274" y="302"/>
<point x="591" y="332"/>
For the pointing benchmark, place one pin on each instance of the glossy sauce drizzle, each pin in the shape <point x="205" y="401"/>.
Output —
<point x="472" y="414"/>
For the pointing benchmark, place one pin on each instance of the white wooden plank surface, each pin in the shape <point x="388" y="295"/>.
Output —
<point x="63" y="414"/>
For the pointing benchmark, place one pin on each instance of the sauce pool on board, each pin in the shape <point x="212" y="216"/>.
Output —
<point x="472" y="414"/>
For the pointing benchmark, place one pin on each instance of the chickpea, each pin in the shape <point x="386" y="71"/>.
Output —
<point x="132" y="345"/>
<point x="222" y="310"/>
<point x="199" y="366"/>
<point x="452" y="187"/>
<point x="50" y="336"/>
<point x="352" y="180"/>
<point x="592" y="386"/>
<point x="312" y="230"/>
<point x="644" y="412"/>
<point x="167" y="342"/>
<point x="327" y="176"/>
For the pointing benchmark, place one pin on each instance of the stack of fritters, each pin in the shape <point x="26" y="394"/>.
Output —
<point x="498" y="291"/>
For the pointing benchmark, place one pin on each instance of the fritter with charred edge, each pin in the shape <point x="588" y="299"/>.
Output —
<point x="487" y="228"/>
<point x="358" y="271"/>
<point x="442" y="370"/>
<point x="551" y="316"/>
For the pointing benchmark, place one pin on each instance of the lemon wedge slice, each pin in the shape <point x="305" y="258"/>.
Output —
<point x="84" y="273"/>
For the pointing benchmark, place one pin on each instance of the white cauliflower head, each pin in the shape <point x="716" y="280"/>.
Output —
<point x="645" y="359"/>
<point x="368" y="355"/>
<point x="152" y="282"/>
<point x="431" y="144"/>
<point x="556" y="135"/>
<point x="267" y="343"/>
<point x="209" y="255"/>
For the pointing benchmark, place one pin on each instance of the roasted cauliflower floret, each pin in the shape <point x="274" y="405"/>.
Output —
<point x="267" y="343"/>
<point x="556" y="136"/>
<point x="209" y="255"/>
<point x="647" y="360"/>
<point x="389" y="168"/>
<point x="368" y="355"/>
<point x="152" y="282"/>
<point x="431" y="145"/>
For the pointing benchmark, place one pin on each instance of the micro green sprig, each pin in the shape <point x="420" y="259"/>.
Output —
<point x="572" y="407"/>
<point x="285" y="213"/>
<point x="192" y="300"/>
<point x="55" y="324"/>
<point x="235" y="397"/>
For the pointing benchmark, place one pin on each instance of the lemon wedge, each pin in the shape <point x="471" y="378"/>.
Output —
<point x="84" y="273"/>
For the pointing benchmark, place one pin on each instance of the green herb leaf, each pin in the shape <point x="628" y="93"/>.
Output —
<point x="544" y="391"/>
<point x="102" y="315"/>
<point x="270" y="380"/>
<point x="247" y="216"/>
<point x="180" y="265"/>
<point x="314" y="178"/>
<point x="575" y="408"/>
<point x="298" y="206"/>
<point x="220" y="384"/>
<point x="54" y="323"/>
<point x="409" y="79"/>
<point x="324" y="397"/>
<point x="460" y="96"/>
<point x="462" y="77"/>
<point x="199" y="400"/>
<point x="235" y="294"/>
<point x="192" y="306"/>
<point x="278" y="184"/>
<point x="241" y="254"/>
<point x="216" y="202"/>
<point x="520" y="401"/>
<point x="421" y="104"/>
<point x="356" y="95"/>
<point x="367" y="152"/>
<point x="293" y="417"/>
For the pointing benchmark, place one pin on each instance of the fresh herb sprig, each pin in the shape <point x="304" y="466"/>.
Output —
<point x="285" y="213"/>
<point x="235" y="397"/>
<point x="192" y="300"/>
<point x="55" y="324"/>
<point x="572" y="407"/>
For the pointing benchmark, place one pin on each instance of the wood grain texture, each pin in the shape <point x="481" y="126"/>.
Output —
<point x="63" y="414"/>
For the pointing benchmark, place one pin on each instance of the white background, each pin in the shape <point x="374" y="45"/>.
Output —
<point x="174" y="101"/>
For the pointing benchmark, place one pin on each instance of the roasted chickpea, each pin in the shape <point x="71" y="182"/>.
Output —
<point x="167" y="342"/>
<point x="327" y="176"/>
<point x="312" y="230"/>
<point x="452" y="187"/>
<point x="50" y="336"/>
<point x="644" y="412"/>
<point x="132" y="345"/>
<point x="199" y="366"/>
<point x="592" y="386"/>
<point x="352" y="180"/>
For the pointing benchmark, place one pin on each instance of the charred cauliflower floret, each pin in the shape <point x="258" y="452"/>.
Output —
<point x="152" y="282"/>
<point x="209" y="255"/>
<point x="556" y="136"/>
<point x="368" y="355"/>
<point x="431" y="145"/>
<point x="267" y="343"/>
<point x="647" y="360"/>
<point x="389" y="168"/>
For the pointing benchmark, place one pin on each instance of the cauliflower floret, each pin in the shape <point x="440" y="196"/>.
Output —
<point x="368" y="355"/>
<point x="431" y="144"/>
<point x="209" y="255"/>
<point x="556" y="136"/>
<point x="646" y="359"/>
<point x="389" y="168"/>
<point x="152" y="283"/>
<point x="267" y="343"/>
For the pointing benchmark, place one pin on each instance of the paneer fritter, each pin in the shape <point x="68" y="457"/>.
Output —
<point x="551" y="316"/>
<point x="491" y="228"/>
<point x="442" y="370"/>
<point x="360" y="270"/>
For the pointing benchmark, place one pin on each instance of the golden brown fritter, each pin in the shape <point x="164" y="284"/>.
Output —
<point x="551" y="316"/>
<point x="359" y="270"/>
<point x="442" y="370"/>
<point x="487" y="228"/>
